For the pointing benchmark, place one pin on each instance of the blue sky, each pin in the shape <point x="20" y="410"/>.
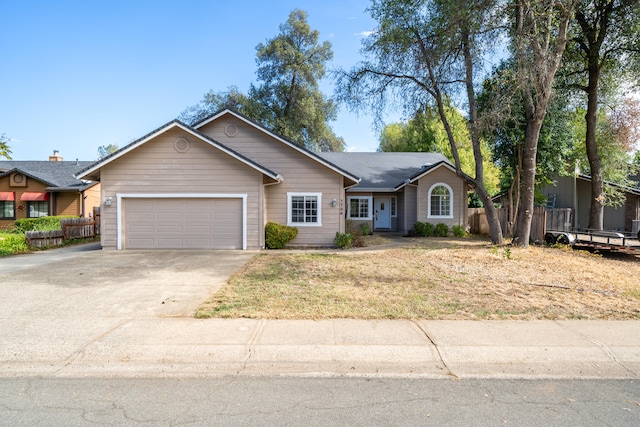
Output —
<point x="77" y="75"/>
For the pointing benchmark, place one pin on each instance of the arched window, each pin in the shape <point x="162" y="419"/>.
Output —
<point x="440" y="201"/>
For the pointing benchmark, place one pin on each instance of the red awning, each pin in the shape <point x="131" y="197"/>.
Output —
<point x="34" y="197"/>
<point x="7" y="196"/>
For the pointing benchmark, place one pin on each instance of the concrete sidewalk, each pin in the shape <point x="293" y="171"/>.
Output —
<point x="214" y="347"/>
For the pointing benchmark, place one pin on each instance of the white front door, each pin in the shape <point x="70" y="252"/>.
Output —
<point x="382" y="212"/>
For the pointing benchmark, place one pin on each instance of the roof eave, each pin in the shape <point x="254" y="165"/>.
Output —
<point x="173" y="124"/>
<point x="371" y="190"/>
<point x="422" y="173"/>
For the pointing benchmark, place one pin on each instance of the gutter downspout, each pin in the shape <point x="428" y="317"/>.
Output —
<point x="263" y="220"/>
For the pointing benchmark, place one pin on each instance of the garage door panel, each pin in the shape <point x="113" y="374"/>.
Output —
<point x="163" y="243"/>
<point x="196" y="223"/>
<point x="198" y="229"/>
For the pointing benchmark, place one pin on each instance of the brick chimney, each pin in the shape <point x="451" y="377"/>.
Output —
<point x="56" y="156"/>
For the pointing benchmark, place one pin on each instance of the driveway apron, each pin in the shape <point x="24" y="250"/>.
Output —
<point x="53" y="305"/>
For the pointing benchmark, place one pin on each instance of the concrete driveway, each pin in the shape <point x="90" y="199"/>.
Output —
<point x="55" y="302"/>
<point x="85" y="282"/>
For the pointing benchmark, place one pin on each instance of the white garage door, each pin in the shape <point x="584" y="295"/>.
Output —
<point x="182" y="223"/>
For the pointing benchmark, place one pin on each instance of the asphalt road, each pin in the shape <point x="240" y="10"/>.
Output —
<point x="283" y="401"/>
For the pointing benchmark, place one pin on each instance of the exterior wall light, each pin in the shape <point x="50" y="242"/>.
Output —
<point x="107" y="201"/>
<point x="334" y="203"/>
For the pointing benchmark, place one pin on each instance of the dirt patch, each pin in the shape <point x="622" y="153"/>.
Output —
<point x="433" y="279"/>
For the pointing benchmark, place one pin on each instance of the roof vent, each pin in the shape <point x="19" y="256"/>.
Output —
<point x="56" y="156"/>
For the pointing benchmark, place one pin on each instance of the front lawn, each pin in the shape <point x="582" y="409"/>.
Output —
<point x="433" y="279"/>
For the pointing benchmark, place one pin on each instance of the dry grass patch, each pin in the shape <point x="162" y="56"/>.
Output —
<point x="433" y="279"/>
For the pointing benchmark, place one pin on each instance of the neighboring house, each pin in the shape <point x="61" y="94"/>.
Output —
<point x="215" y="185"/>
<point x="30" y="189"/>
<point x="575" y="193"/>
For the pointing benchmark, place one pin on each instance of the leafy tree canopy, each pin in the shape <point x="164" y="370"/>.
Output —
<point x="425" y="133"/>
<point x="105" y="150"/>
<point x="288" y="99"/>
<point x="4" y="146"/>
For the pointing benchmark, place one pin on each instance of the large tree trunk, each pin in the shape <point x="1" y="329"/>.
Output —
<point x="529" y="161"/>
<point x="495" y="229"/>
<point x="538" y="59"/>
<point x="596" y="213"/>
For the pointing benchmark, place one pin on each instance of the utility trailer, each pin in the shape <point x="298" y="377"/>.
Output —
<point x="596" y="240"/>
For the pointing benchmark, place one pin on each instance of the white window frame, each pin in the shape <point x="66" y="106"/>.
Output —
<point x="369" y="208"/>
<point x="318" y="223"/>
<point x="394" y="207"/>
<point x="434" y="186"/>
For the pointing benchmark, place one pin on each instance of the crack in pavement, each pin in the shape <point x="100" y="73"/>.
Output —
<point x="252" y="342"/>
<point x="602" y="347"/>
<point x="73" y="356"/>
<point x="424" y="332"/>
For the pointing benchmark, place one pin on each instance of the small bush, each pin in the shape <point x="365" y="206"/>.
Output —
<point x="423" y="229"/>
<point x="277" y="236"/>
<point x="364" y="229"/>
<point x="44" y="223"/>
<point x="343" y="240"/>
<point x="458" y="231"/>
<point x="357" y="237"/>
<point x="442" y="230"/>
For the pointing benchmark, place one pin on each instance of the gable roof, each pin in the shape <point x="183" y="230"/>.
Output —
<point x="58" y="176"/>
<point x="386" y="172"/>
<point x="318" y="157"/>
<point x="94" y="167"/>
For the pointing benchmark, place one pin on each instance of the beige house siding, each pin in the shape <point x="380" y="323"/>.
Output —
<point x="410" y="206"/>
<point x="459" y="209"/>
<point x="158" y="167"/>
<point x="301" y="175"/>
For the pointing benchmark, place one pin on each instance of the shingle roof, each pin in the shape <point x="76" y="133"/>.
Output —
<point x="384" y="171"/>
<point x="57" y="175"/>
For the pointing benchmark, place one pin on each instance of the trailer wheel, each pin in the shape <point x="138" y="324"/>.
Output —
<point x="562" y="239"/>
<point x="550" y="239"/>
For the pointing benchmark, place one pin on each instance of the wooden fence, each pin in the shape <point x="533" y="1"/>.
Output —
<point x="478" y="223"/>
<point x="43" y="239"/>
<point x="78" y="228"/>
<point x="71" y="228"/>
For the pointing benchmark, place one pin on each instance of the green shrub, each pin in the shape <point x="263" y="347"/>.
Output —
<point x="429" y="229"/>
<point x="458" y="231"/>
<point x="423" y="229"/>
<point x="364" y="229"/>
<point x="12" y="243"/>
<point x="343" y="240"/>
<point x="44" y="223"/>
<point x="277" y="236"/>
<point x="442" y="230"/>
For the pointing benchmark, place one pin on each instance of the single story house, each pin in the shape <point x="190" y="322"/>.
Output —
<point x="216" y="184"/>
<point x="575" y="193"/>
<point x="30" y="189"/>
